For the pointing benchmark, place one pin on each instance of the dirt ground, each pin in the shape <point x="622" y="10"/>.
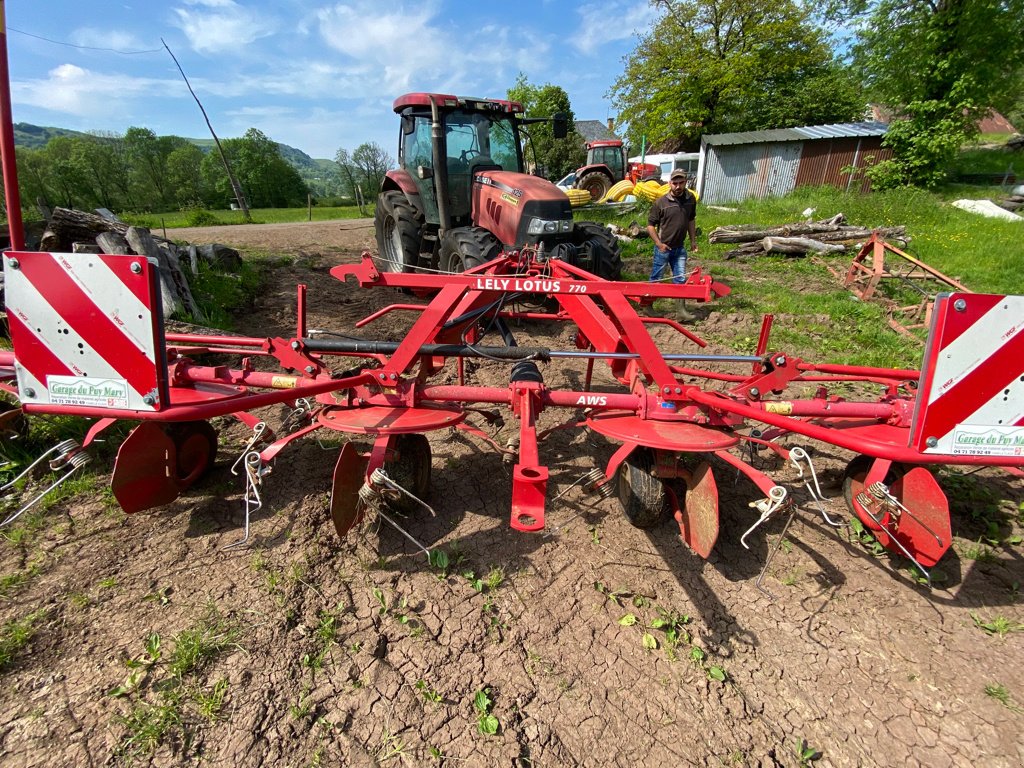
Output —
<point x="595" y="642"/>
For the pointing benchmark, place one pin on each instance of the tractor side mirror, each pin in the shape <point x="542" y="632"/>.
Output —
<point x="408" y="124"/>
<point x="559" y="125"/>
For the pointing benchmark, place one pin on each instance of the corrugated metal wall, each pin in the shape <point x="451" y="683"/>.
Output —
<point x="823" y="160"/>
<point x="734" y="172"/>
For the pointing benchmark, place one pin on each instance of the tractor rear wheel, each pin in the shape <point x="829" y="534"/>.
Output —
<point x="642" y="495"/>
<point x="596" y="183"/>
<point x="410" y="468"/>
<point x="463" y="248"/>
<point x="398" y="226"/>
<point x="599" y="251"/>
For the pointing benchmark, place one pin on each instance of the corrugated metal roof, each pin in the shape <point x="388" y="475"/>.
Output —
<point x="837" y="131"/>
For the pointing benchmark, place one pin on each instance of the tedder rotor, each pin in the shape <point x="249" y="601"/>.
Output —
<point x="89" y="340"/>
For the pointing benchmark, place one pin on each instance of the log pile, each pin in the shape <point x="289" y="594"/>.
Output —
<point x="1012" y="203"/>
<point x="71" y="231"/>
<point x="800" y="238"/>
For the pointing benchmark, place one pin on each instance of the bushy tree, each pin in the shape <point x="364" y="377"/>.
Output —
<point x="365" y="167"/>
<point x="940" y="64"/>
<point x="714" y="66"/>
<point x="554" y="157"/>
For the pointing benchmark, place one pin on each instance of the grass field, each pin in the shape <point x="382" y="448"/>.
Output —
<point x="194" y="218"/>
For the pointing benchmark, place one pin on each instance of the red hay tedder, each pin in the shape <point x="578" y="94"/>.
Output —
<point x="89" y="340"/>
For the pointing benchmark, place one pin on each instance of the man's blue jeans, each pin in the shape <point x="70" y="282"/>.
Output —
<point x="674" y="257"/>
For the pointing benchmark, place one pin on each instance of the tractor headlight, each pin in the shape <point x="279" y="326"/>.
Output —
<point x="548" y="227"/>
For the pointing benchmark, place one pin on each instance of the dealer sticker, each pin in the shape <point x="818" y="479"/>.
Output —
<point x="86" y="391"/>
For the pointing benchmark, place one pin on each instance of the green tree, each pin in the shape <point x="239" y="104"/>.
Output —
<point x="365" y="167"/>
<point x="554" y="157"/>
<point x="713" y="66"/>
<point x="941" y="64"/>
<point x="68" y="178"/>
<point x="185" y="176"/>
<point x="268" y="181"/>
<point x="147" y="154"/>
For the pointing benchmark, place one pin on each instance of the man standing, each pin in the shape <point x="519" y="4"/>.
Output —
<point x="672" y="217"/>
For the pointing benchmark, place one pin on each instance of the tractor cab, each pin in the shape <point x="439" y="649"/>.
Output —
<point x="609" y="154"/>
<point x="475" y="136"/>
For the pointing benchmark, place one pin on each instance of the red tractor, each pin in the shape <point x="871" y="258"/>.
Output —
<point x="460" y="195"/>
<point x="607" y="164"/>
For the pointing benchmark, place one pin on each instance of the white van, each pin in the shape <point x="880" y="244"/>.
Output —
<point x="688" y="161"/>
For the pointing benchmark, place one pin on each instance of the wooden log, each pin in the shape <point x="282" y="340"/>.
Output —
<point x="181" y="282"/>
<point x="112" y="242"/>
<point x="142" y="243"/>
<point x="799" y="245"/>
<point x="193" y="259"/>
<point x="85" y="248"/>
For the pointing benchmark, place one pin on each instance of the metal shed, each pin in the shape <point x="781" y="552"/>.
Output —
<point x="735" y="166"/>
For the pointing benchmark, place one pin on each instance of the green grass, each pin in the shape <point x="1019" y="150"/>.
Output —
<point x="15" y="635"/>
<point x="189" y="218"/>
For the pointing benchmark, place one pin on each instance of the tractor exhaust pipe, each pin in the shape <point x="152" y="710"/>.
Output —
<point x="437" y="145"/>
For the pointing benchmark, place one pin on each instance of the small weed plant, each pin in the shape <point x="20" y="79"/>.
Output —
<point x="486" y="723"/>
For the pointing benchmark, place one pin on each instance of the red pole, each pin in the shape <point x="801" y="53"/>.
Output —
<point x="10" y="165"/>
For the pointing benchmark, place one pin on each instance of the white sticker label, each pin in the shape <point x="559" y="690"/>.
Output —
<point x="93" y="392"/>
<point x="970" y="440"/>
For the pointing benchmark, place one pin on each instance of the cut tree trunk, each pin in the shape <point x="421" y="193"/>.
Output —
<point x="799" y="245"/>
<point x="142" y="242"/>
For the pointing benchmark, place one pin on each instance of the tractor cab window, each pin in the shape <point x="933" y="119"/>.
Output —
<point x="609" y="156"/>
<point x="476" y="141"/>
<point x="415" y="152"/>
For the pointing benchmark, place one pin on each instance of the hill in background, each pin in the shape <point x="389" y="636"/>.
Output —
<point x="320" y="174"/>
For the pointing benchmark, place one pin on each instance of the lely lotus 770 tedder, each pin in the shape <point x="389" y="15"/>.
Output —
<point x="89" y="341"/>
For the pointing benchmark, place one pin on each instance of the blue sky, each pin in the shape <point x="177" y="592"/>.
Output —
<point x="315" y="75"/>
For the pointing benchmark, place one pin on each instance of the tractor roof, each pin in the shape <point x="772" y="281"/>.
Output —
<point x="448" y="101"/>
<point x="605" y="143"/>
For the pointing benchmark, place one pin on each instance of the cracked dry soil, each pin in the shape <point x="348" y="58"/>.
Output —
<point x="356" y="653"/>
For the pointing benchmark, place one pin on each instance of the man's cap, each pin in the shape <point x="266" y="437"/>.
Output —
<point x="678" y="173"/>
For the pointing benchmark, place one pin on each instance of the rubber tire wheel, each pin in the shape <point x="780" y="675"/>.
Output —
<point x="196" y="446"/>
<point x="596" y="183"/>
<point x="604" y="249"/>
<point x="463" y="248"/>
<point x="642" y="495"/>
<point x="857" y="470"/>
<point x="410" y="469"/>
<point x="398" y="226"/>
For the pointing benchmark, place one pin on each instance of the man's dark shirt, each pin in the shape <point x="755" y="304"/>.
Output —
<point x="672" y="217"/>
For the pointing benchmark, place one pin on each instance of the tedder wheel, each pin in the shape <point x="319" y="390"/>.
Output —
<point x="857" y="471"/>
<point x="397" y="224"/>
<point x="410" y="469"/>
<point x="601" y="252"/>
<point x="196" y="446"/>
<point x="596" y="183"/>
<point x="13" y="424"/>
<point x="642" y="495"/>
<point x="463" y="248"/>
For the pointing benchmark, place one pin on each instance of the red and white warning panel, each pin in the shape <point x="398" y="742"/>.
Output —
<point x="85" y="331"/>
<point x="971" y="397"/>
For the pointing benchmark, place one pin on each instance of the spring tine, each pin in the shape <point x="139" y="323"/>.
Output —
<point x="768" y="507"/>
<point x="66" y="446"/>
<point x="77" y="459"/>
<point x="880" y="492"/>
<point x="380" y="477"/>
<point x="253" y="501"/>
<point x="257" y="433"/>
<point x="771" y="555"/>
<point x="864" y="501"/>
<point x="404" y="532"/>
<point x="798" y="454"/>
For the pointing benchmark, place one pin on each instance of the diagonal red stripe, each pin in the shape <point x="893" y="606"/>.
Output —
<point x="32" y="354"/>
<point x="958" y="324"/>
<point x="975" y="389"/>
<point x="80" y="312"/>
<point x="120" y="265"/>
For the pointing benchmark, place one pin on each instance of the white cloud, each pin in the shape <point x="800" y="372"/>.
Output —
<point x="92" y="37"/>
<point x="608" y="22"/>
<point x="83" y="93"/>
<point x="227" y="26"/>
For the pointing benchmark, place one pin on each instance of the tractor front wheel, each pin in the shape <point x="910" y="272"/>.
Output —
<point x="596" y="183"/>
<point x="598" y="251"/>
<point x="642" y="495"/>
<point x="463" y="248"/>
<point x="398" y="225"/>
